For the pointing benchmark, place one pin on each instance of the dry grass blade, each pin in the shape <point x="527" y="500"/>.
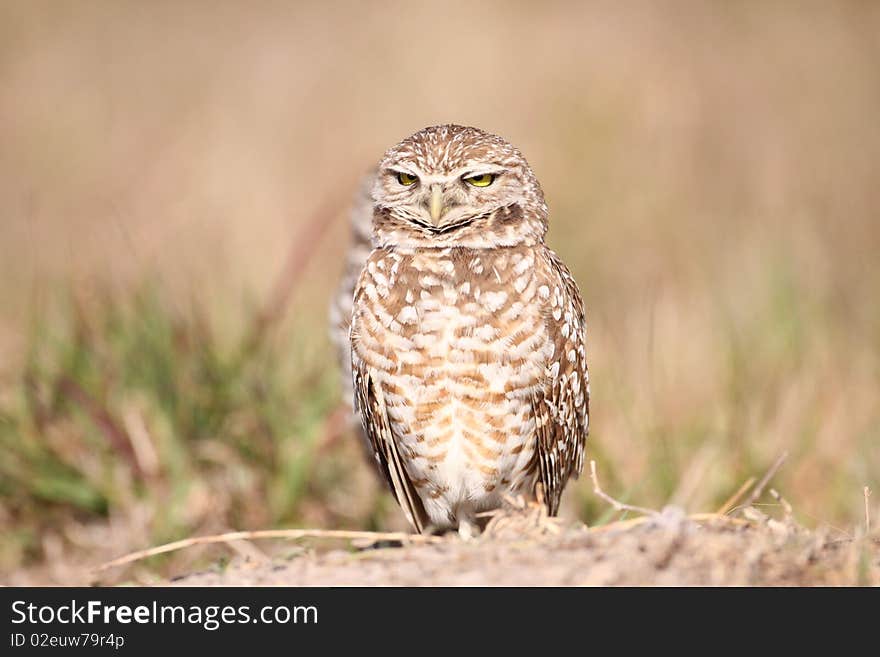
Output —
<point x="867" y="493"/>
<point x="759" y="489"/>
<point x="733" y="499"/>
<point x="620" y="506"/>
<point x="265" y="534"/>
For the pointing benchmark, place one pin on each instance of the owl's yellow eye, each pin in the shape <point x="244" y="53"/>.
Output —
<point x="481" y="180"/>
<point x="406" y="179"/>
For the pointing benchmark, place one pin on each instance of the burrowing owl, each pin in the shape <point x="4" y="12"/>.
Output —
<point x="467" y="333"/>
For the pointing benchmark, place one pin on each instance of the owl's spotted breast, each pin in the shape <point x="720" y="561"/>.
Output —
<point x="457" y="340"/>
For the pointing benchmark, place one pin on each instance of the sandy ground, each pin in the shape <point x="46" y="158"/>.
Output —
<point x="667" y="549"/>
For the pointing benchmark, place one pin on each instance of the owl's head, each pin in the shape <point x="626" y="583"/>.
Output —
<point x="451" y="185"/>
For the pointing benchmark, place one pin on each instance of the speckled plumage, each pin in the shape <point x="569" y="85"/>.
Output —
<point x="467" y="333"/>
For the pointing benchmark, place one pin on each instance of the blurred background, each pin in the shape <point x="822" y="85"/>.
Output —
<point x="174" y="184"/>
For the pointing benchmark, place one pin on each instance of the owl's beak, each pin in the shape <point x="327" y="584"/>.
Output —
<point x="436" y="204"/>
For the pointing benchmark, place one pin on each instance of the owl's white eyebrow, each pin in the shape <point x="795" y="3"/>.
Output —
<point x="396" y="170"/>
<point x="482" y="171"/>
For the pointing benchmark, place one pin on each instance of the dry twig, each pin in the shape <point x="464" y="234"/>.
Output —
<point x="733" y="499"/>
<point x="756" y="493"/>
<point x="268" y="533"/>
<point x="620" y="506"/>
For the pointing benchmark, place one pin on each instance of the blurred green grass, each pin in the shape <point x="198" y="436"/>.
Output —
<point x="134" y="402"/>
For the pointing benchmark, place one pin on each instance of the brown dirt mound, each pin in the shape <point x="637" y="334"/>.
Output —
<point x="527" y="549"/>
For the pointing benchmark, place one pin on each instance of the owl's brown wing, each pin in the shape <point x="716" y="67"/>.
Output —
<point x="370" y="402"/>
<point x="561" y="404"/>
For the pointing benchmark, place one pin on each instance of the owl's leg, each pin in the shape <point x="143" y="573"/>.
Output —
<point x="468" y="530"/>
<point x="468" y="526"/>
